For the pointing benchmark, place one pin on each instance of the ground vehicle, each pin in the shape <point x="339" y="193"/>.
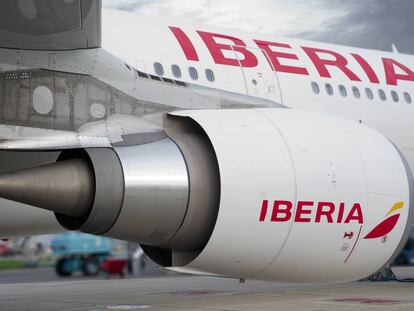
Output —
<point x="4" y="248"/>
<point x="79" y="252"/>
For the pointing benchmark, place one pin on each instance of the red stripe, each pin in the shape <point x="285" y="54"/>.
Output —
<point x="383" y="228"/>
<point x="185" y="43"/>
<point x="263" y="212"/>
<point x="372" y="76"/>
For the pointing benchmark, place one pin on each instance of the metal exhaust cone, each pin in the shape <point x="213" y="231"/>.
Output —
<point x="66" y="187"/>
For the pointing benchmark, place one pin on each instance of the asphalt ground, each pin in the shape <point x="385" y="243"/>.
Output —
<point x="42" y="275"/>
<point x="41" y="290"/>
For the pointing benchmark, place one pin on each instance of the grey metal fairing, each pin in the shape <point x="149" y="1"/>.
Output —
<point x="99" y="102"/>
<point x="156" y="193"/>
<point x="110" y="70"/>
<point x="140" y="193"/>
<point x="81" y="102"/>
<point x="170" y="192"/>
<point x="106" y="188"/>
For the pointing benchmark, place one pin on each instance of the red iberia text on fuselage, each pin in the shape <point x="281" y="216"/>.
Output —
<point x="277" y="53"/>
<point x="310" y="211"/>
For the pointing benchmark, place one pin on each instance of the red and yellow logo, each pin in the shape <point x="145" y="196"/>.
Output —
<point x="387" y="225"/>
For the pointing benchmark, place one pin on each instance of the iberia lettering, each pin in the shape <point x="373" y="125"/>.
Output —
<point x="310" y="211"/>
<point x="233" y="51"/>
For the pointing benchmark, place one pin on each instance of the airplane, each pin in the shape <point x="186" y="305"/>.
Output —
<point x="221" y="152"/>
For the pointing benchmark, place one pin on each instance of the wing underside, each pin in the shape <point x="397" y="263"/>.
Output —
<point x="50" y="24"/>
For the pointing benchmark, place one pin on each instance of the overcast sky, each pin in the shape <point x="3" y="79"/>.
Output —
<point x="363" y="23"/>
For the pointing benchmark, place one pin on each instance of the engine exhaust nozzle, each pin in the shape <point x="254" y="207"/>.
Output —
<point x="66" y="187"/>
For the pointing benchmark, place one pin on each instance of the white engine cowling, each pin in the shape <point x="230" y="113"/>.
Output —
<point x="304" y="197"/>
<point x="271" y="194"/>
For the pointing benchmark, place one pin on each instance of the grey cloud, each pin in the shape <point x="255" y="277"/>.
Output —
<point x="369" y="23"/>
<point x="364" y="23"/>
<point x="127" y="5"/>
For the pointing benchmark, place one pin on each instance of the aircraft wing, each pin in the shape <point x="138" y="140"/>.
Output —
<point x="50" y="24"/>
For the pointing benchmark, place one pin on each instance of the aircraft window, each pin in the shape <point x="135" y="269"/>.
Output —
<point x="394" y="96"/>
<point x="356" y="92"/>
<point x="176" y="71"/>
<point x="315" y="87"/>
<point x="342" y="91"/>
<point x="159" y="70"/>
<point x="193" y="73"/>
<point x="407" y="98"/>
<point x="210" y="75"/>
<point x="329" y="89"/>
<point x="369" y="93"/>
<point x="254" y="82"/>
<point x="382" y="95"/>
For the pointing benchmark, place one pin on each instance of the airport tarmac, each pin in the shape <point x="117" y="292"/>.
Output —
<point x="204" y="293"/>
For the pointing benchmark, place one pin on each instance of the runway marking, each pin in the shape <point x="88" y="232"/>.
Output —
<point x="368" y="301"/>
<point x="122" y="307"/>
<point x="197" y="292"/>
<point x="230" y="297"/>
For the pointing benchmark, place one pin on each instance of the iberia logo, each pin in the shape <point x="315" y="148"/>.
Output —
<point x="387" y="225"/>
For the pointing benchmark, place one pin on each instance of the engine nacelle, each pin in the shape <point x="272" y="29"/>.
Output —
<point x="271" y="194"/>
<point x="304" y="197"/>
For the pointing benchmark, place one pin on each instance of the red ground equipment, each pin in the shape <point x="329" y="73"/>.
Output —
<point x="113" y="266"/>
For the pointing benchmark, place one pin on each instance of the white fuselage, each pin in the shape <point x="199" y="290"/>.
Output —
<point x="245" y="63"/>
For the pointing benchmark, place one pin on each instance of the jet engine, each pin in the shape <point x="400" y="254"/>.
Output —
<point x="271" y="194"/>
